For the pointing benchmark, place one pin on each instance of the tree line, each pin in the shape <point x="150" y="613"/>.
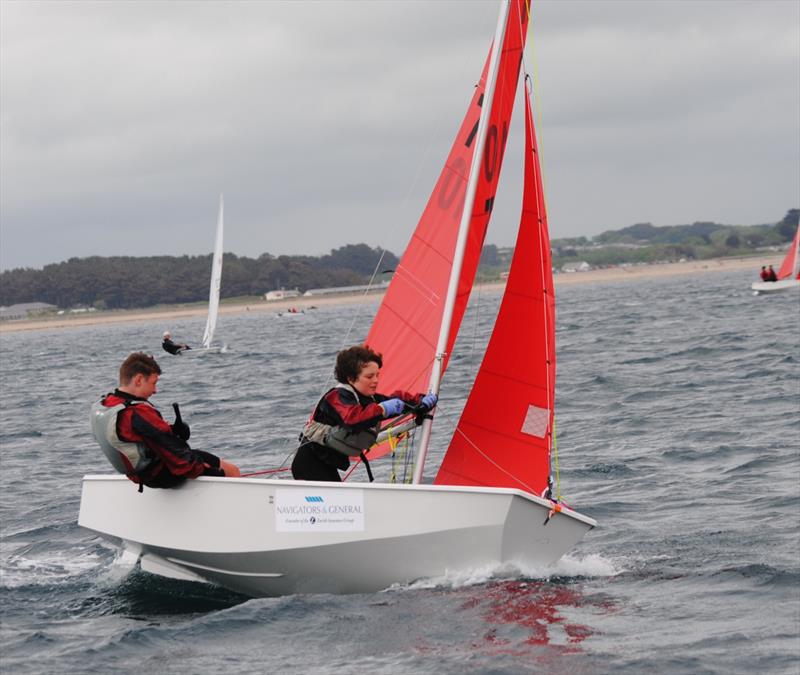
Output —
<point x="126" y="282"/>
<point x="645" y="242"/>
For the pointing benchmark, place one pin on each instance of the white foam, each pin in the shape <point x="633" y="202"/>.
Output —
<point x="48" y="568"/>
<point x="593" y="565"/>
<point x="122" y="565"/>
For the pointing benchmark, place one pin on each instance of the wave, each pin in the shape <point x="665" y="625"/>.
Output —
<point x="762" y="574"/>
<point x="603" y="468"/>
<point x="16" y="435"/>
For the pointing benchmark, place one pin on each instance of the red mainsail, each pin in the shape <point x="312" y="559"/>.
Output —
<point x="789" y="266"/>
<point x="406" y="327"/>
<point x="503" y="438"/>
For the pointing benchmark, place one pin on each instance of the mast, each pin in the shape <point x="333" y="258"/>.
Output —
<point x="463" y="231"/>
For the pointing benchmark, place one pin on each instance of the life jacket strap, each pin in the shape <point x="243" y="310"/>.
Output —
<point x="367" y="467"/>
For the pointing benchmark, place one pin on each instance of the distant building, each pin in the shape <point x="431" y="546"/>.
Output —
<point x="576" y="267"/>
<point x="281" y="294"/>
<point x="347" y="289"/>
<point x="25" y="310"/>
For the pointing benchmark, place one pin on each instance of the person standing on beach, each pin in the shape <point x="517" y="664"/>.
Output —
<point x="139" y="442"/>
<point x="172" y="347"/>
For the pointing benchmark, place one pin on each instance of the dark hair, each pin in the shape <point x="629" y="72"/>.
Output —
<point x="349" y="362"/>
<point x="138" y="363"/>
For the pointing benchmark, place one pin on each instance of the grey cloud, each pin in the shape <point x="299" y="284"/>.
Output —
<point x="326" y="123"/>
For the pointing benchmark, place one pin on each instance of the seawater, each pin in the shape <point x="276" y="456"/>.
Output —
<point x="678" y="413"/>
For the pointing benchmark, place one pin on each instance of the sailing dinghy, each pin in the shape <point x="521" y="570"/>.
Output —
<point x="788" y="274"/>
<point x="492" y="500"/>
<point x="213" y="293"/>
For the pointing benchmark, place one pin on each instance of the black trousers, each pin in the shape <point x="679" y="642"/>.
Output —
<point x="307" y="465"/>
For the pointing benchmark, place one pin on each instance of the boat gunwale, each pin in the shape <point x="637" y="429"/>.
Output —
<point x="402" y="487"/>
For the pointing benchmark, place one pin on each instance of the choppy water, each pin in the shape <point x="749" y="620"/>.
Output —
<point x="679" y="430"/>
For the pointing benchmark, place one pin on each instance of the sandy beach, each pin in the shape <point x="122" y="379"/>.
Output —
<point x="629" y="273"/>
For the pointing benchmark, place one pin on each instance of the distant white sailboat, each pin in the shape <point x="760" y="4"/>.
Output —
<point x="788" y="274"/>
<point x="213" y="292"/>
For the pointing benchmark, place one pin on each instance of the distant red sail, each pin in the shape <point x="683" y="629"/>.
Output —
<point x="406" y="326"/>
<point x="789" y="266"/>
<point x="503" y="438"/>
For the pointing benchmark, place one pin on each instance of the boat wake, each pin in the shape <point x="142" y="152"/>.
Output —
<point x="50" y="564"/>
<point x="568" y="567"/>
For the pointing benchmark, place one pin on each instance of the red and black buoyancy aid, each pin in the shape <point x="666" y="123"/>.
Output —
<point x="143" y="446"/>
<point x="130" y="458"/>
<point x="346" y="440"/>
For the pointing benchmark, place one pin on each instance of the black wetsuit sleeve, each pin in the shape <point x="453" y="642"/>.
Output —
<point x="170" y="346"/>
<point x="180" y="459"/>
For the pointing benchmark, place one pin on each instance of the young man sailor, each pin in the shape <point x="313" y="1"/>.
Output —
<point x="139" y="442"/>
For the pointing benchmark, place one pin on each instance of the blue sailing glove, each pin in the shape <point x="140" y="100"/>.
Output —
<point x="429" y="400"/>
<point x="392" y="407"/>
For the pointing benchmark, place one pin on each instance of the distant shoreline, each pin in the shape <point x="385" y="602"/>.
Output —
<point x="629" y="273"/>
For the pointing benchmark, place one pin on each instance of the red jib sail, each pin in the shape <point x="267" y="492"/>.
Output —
<point x="406" y="326"/>
<point x="503" y="438"/>
<point x="789" y="266"/>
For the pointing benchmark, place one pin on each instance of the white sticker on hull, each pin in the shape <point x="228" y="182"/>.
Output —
<point x="319" y="510"/>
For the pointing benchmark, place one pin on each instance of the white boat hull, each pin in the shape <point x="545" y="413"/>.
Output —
<point x="776" y="286"/>
<point x="275" y="537"/>
<point x="200" y="351"/>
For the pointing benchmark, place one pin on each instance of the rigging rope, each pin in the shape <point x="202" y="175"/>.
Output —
<point x="266" y="471"/>
<point x="281" y="467"/>
<point x="475" y="321"/>
<point x="495" y="464"/>
<point x="404" y="457"/>
<point x="534" y="78"/>
<point x="391" y="439"/>
<point x="555" y="460"/>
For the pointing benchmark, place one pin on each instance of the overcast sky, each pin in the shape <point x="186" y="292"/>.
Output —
<point x="326" y="123"/>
